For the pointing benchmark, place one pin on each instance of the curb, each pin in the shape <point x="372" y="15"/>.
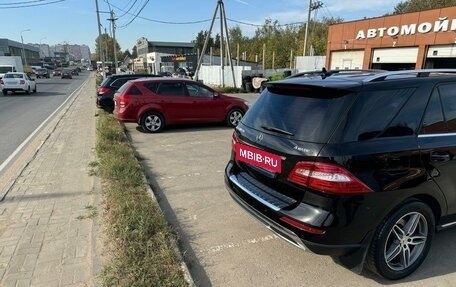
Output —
<point x="187" y="275"/>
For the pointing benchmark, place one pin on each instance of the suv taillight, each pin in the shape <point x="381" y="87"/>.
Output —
<point x="124" y="100"/>
<point x="21" y="82"/>
<point x="327" y="178"/>
<point x="102" y="90"/>
<point x="234" y="140"/>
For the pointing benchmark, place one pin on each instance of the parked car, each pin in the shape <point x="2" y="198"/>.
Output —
<point x="42" y="73"/>
<point x="75" y="72"/>
<point x="66" y="74"/>
<point x="105" y="93"/>
<point x="360" y="168"/>
<point x="57" y="73"/>
<point x="17" y="82"/>
<point x="157" y="102"/>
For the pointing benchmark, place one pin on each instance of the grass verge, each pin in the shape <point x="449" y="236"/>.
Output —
<point x="139" y="237"/>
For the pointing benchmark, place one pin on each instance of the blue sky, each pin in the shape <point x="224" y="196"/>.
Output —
<point x="75" y="22"/>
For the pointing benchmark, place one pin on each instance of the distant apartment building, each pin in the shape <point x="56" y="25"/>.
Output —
<point x="75" y="52"/>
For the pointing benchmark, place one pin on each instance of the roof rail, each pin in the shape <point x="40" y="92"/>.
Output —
<point x="416" y="73"/>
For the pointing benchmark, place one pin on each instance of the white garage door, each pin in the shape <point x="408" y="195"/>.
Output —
<point x="395" y="55"/>
<point x="343" y="60"/>
<point x="442" y="51"/>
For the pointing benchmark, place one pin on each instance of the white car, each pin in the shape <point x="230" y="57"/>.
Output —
<point x="17" y="82"/>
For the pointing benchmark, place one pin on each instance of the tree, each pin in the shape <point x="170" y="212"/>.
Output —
<point x="421" y="5"/>
<point x="106" y="43"/>
<point x="199" y="41"/>
<point x="134" y="52"/>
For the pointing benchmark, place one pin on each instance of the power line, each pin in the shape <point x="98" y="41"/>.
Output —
<point x="136" y="16"/>
<point x="26" y="5"/>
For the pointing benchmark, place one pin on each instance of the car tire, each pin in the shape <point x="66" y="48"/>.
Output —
<point x="233" y="117"/>
<point x="402" y="241"/>
<point x="27" y="91"/>
<point x="34" y="90"/>
<point x="5" y="92"/>
<point x="152" y="122"/>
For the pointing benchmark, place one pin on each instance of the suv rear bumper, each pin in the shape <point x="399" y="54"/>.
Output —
<point x="299" y="240"/>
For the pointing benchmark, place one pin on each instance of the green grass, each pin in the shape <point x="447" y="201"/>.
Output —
<point x="139" y="236"/>
<point x="229" y="90"/>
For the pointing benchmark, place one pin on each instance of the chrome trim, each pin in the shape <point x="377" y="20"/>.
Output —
<point x="437" y="135"/>
<point x="280" y="231"/>
<point x="233" y="178"/>
<point x="448" y="224"/>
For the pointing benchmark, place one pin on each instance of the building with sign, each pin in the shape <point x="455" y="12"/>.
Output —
<point x="417" y="40"/>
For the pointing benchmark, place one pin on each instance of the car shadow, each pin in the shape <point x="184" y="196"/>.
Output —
<point x="439" y="261"/>
<point x="190" y="128"/>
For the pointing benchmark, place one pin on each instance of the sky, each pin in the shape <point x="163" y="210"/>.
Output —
<point x="75" y="21"/>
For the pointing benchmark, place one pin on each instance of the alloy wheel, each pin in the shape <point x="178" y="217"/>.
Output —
<point x="406" y="241"/>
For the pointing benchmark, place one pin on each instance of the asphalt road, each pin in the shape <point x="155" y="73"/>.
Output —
<point x="21" y="115"/>
<point x="223" y="245"/>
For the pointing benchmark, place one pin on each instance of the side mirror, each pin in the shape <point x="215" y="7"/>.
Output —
<point x="216" y="95"/>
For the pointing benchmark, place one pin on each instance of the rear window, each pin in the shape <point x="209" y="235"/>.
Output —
<point x="123" y="87"/>
<point x="306" y="113"/>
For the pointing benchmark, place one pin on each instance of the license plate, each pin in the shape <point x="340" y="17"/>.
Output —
<point x="257" y="157"/>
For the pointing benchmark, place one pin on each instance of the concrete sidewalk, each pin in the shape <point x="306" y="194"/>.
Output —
<point x="48" y="219"/>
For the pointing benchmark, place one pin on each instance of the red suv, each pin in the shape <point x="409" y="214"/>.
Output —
<point x="156" y="102"/>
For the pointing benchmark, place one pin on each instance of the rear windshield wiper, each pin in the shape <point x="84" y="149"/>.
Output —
<point x="277" y="130"/>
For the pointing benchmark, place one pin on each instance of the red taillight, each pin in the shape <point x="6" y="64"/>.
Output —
<point x="102" y="90"/>
<point x="21" y="82"/>
<point x="123" y="100"/>
<point x="302" y="226"/>
<point x="327" y="177"/>
<point x="234" y="140"/>
<point x="1" y="82"/>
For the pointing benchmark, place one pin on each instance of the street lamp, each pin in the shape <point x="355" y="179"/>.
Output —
<point x="23" y="51"/>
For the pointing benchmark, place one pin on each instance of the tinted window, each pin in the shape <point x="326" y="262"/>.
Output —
<point x="123" y="88"/>
<point x="119" y="82"/>
<point x="373" y="112"/>
<point x="433" y="122"/>
<point x="134" y="91"/>
<point x="151" y="86"/>
<point x="196" y="90"/>
<point x="310" y="114"/>
<point x="448" y="97"/>
<point x="172" y="88"/>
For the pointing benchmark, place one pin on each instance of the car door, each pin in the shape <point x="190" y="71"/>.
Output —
<point x="174" y="102"/>
<point x="437" y="140"/>
<point x="205" y="105"/>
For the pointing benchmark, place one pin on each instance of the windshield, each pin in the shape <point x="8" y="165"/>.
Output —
<point x="307" y="114"/>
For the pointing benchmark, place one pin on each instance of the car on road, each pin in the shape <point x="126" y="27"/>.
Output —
<point x="57" y="73"/>
<point x="42" y="73"/>
<point x="17" y="82"/>
<point x="155" y="103"/>
<point x="359" y="166"/>
<point x="107" y="88"/>
<point x="66" y="74"/>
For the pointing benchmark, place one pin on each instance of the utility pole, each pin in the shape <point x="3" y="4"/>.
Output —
<point x="100" y="52"/>
<point x="312" y="6"/>
<point x="223" y="25"/>
<point x="113" y="26"/>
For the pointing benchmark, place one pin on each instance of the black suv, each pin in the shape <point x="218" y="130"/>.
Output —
<point x="107" y="89"/>
<point x="359" y="167"/>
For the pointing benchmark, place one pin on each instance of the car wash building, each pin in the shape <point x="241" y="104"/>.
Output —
<point x="417" y="40"/>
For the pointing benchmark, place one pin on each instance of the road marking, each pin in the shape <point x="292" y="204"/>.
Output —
<point x="222" y="247"/>
<point x="21" y="146"/>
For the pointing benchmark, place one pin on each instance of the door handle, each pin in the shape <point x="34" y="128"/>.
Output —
<point x="440" y="157"/>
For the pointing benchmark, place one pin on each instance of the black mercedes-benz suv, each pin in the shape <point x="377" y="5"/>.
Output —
<point x="359" y="167"/>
